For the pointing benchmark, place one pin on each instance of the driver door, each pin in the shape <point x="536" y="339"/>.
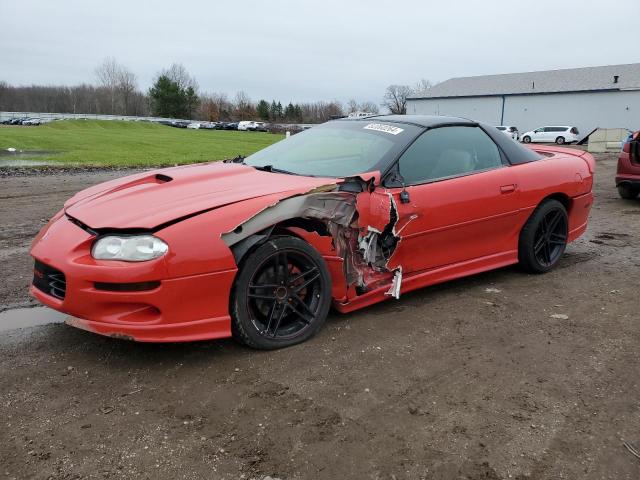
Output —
<point x="463" y="200"/>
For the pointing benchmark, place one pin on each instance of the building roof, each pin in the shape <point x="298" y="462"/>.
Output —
<point x="550" y="81"/>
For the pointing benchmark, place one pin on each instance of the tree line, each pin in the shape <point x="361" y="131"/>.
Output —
<point x="176" y="94"/>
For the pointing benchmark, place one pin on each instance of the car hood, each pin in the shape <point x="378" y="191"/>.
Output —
<point x="151" y="199"/>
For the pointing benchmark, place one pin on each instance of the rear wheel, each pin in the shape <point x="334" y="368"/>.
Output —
<point x="544" y="237"/>
<point x="560" y="140"/>
<point x="627" y="191"/>
<point x="526" y="139"/>
<point x="282" y="294"/>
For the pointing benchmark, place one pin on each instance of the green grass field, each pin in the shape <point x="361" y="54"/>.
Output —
<point x="120" y="143"/>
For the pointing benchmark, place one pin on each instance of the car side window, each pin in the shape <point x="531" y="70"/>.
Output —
<point x="448" y="152"/>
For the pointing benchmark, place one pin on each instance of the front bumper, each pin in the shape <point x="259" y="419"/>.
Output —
<point x="183" y="308"/>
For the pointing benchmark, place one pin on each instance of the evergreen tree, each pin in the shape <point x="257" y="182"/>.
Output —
<point x="167" y="98"/>
<point x="289" y="112"/>
<point x="273" y="110"/>
<point x="280" y="110"/>
<point x="263" y="110"/>
<point x="191" y="101"/>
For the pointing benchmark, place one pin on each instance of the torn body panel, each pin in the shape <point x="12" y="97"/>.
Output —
<point x="361" y="222"/>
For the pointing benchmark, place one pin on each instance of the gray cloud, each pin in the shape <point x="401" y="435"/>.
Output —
<point x="303" y="50"/>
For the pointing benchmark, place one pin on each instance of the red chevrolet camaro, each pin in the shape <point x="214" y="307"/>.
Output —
<point x="348" y="213"/>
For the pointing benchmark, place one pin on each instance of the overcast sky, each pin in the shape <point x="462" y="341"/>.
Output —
<point x="311" y="50"/>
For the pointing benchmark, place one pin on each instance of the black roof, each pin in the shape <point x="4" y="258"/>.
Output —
<point x="515" y="152"/>
<point x="428" y="121"/>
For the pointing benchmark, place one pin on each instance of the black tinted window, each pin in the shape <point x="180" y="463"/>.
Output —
<point x="447" y="152"/>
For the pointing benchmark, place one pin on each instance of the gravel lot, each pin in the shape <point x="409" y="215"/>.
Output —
<point x="473" y="379"/>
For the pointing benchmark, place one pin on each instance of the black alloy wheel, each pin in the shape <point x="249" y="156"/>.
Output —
<point x="282" y="294"/>
<point x="544" y="237"/>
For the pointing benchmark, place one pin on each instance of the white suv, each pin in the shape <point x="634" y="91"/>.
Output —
<point x="559" y="135"/>
<point x="509" y="131"/>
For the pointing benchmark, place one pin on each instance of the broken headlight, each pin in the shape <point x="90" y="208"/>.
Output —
<point x="131" y="248"/>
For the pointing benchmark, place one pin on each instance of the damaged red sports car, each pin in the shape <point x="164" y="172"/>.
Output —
<point x="345" y="214"/>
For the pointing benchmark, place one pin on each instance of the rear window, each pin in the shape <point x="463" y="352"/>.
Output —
<point x="574" y="130"/>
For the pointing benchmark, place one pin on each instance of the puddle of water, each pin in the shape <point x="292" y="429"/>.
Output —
<point x="29" y="317"/>
<point x="23" y="163"/>
<point x="22" y="158"/>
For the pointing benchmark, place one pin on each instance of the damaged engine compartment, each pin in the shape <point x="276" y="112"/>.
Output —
<point x="360" y="220"/>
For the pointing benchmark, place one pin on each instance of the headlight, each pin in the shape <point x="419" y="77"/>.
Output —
<point x="134" y="248"/>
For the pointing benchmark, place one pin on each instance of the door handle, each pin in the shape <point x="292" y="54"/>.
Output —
<point x="508" y="188"/>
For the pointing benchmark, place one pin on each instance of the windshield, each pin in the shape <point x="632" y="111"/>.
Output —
<point x="337" y="149"/>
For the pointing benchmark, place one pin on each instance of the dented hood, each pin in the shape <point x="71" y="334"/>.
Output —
<point x="150" y="199"/>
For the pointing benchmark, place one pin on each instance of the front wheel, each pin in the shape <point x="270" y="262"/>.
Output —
<point x="526" y="139"/>
<point x="627" y="192"/>
<point x="543" y="239"/>
<point x="282" y="294"/>
<point x="560" y="140"/>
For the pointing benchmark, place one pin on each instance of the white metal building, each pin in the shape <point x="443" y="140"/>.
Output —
<point x="587" y="98"/>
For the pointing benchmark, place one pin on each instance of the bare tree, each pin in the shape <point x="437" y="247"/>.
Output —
<point x="107" y="73"/>
<point x="126" y="86"/>
<point x="177" y="73"/>
<point x="422" y="86"/>
<point x="369" y="107"/>
<point x="243" y="105"/>
<point x="352" y="106"/>
<point x="120" y="84"/>
<point x="395" y="98"/>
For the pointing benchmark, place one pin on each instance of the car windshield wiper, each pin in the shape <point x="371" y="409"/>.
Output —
<point x="270" y="168"/>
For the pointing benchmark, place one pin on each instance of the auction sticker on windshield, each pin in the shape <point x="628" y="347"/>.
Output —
<point x="380" y="127"/>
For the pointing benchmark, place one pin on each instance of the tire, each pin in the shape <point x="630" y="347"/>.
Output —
<point x="526" y="139"/>
<point x="281" y="296"/>
<point x="543" y="238"/>
<point x="627" y="192"/>
<point x="560" y="140"/>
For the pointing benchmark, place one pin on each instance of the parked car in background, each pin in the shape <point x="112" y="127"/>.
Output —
<point x="31" y="121"/>
<point x="231" y="126"/>
<point x="509" y="131"/>
<point x="628" y="174"/>
<point x="194" y="126"/>
<point x="258" y="127"/>
<point x="559" y="135"/>
<point x="245" y="125"/>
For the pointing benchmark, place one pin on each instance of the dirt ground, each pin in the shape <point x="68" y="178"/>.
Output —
<point x="473" y="379"/>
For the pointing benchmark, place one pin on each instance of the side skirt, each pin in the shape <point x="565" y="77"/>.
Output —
<point x="432" y="277"/>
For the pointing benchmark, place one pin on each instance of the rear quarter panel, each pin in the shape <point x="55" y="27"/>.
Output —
<point x="562" y="171"/>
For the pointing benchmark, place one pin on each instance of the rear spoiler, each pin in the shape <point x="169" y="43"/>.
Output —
<point x="586" y="156"/>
